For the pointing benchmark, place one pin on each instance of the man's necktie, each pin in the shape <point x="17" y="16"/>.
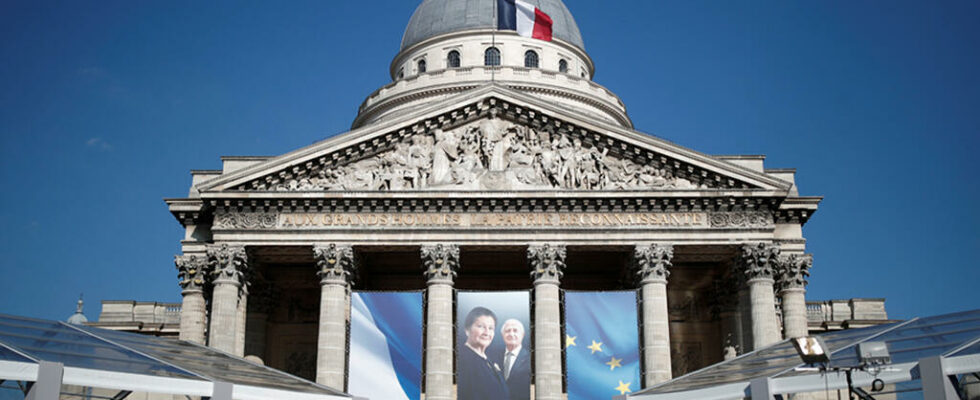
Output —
<point x="507" y="362"/>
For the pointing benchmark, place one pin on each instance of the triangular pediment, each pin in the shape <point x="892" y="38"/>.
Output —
<point x="492" y="139"/>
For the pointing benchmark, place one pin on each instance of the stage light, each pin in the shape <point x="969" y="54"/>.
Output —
<point x="811" y="349"/>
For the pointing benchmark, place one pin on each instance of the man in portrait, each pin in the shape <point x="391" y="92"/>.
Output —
<point x="516" y="360"/>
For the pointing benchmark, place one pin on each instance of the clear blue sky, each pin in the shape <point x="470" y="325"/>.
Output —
<point x="105" y="107"/>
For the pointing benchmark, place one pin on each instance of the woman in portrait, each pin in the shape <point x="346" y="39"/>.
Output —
<point x="477" y="377"/>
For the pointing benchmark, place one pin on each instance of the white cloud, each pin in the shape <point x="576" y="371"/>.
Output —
<point x="98" y="143"/>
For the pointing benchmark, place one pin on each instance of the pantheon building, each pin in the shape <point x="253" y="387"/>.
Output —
<point x="492" y="162"/>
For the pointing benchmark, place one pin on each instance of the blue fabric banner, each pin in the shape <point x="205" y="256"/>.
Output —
<point x="386" y="345"/>
<point x="602" y="346"/>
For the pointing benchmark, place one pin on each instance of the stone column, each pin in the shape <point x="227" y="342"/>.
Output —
<point x="439" y="263"/>
<point x="757" y="263"/>
<point x="793" y="272"/>
<point x="725" y="295"/>
<point x="653" y="269"/>
<point x="262" y="303"/>
<point x="744" y="310"/>
<point x="193" y="274"/>
<point x="240" y="320"/>
<point x="547" y="267"/>
<point x="228" y="264"/>
<point x="335" y="267"/>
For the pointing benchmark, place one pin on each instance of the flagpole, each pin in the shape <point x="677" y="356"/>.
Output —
<point x="493" y="41"/>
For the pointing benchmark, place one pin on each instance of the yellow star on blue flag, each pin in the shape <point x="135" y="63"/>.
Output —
<point x="595" y="346"/>
<point x="611" y="363"/>
<point x="623" y="388"/>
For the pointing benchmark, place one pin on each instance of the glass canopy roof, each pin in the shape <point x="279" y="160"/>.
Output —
<point x="955" y="334"/>
<point x="30" y="340"/>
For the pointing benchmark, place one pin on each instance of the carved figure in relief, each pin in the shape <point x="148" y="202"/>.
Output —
<point x="489" y="154"/>
<point x="566" y="160"/>
<point x="420" y="161"/>
<point x="444" y="153"/>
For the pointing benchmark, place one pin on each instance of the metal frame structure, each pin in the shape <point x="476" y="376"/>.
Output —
<point x="927" y="354"/>
<point x="41" y="357"/>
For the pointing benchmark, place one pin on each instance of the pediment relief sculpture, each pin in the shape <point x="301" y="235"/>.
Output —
<point x="489" y="154"/>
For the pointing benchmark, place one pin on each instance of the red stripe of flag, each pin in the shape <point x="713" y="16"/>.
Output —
<point x="542" y="25"/>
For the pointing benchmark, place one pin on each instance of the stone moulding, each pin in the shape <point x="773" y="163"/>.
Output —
<point x="751" y="219"/>
<point x="248" y="220"/>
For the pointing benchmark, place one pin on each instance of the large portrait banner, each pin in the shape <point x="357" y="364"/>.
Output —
<point x="386" y="345"/>
<point x="493" y="353"/>
<point x="602" y="345"/>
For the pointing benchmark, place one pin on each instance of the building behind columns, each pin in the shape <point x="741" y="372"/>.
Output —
<point x="493" y="162"/>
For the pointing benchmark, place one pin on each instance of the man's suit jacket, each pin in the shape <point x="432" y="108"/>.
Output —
<point x="519" y="381"/>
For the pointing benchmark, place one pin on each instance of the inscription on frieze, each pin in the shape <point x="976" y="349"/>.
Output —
<point x="323" y="220"/>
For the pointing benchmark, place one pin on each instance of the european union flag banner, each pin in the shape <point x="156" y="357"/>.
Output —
<point x="386" y="345"/>
<point x="602" y="345"/>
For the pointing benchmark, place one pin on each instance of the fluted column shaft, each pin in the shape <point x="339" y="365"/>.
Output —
<point x="193" y="274"/>
<point x="240" y="321"/>
<point x="440" y="264"/>
<point x="335" y="267"/>
<point x="653" y="269"/>
<point x="228" y="265"/>
<point x="547" y="267"/>
<point x="793" y="273"/>
<point x="757" y="263"/>
<point x="744" y="310"/>
<point x="765" y="328"/>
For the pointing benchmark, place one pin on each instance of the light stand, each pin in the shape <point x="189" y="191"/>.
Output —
<point x="871" y="355"/>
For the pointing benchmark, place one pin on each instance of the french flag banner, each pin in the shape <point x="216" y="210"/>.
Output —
<point x="386" y="345"/>
<point x="523" y="17"/>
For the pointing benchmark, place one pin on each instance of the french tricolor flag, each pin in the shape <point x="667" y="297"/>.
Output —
<point x="523" y="17"/>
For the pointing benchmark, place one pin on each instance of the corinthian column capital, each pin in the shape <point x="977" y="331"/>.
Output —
<point x="653" y="262"/>
<point x="192" y="272"/>
<point x="440" y="262"/>
<point x="228" y="263"/>
<point x="335" y="264"/>
<point x="793" y="271"/>
<point x="547" y="262"/>
<point x="759" y="260"/>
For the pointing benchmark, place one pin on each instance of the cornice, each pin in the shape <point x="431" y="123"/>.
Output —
<point x="366" y="111"/>
<point x="493" y="202"/>
<point x="188" y="211"/>
<point x="797" y="209"/>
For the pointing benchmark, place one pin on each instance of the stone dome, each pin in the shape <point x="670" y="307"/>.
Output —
<point x="78" y="318"/>
<point x="437" y="17"/>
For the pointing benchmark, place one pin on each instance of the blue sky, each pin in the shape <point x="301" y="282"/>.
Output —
<point x="105" y="107"/>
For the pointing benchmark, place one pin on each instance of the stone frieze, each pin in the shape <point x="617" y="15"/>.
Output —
<point x="500" y="220"/>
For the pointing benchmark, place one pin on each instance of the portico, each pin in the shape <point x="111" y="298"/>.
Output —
<point x="687" y="246"/>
